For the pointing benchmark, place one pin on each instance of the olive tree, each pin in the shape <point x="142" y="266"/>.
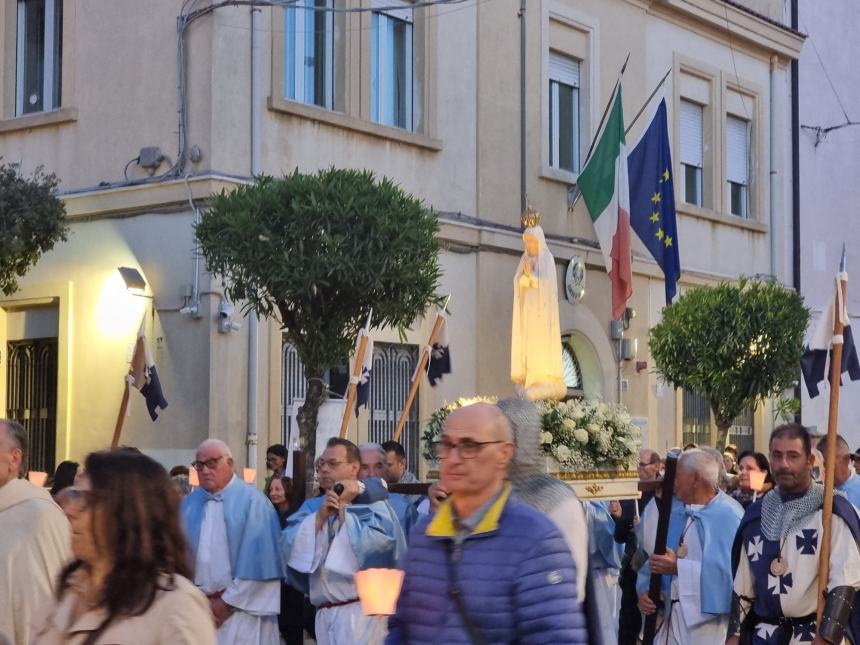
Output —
<point x="317" y="252"/>
<point x="733" y="344"/>
<point x="32" y="221"/>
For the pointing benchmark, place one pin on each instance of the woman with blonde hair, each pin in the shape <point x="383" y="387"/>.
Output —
<point x="130" y="579"/>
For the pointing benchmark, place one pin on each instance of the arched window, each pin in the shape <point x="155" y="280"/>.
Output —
<point x="572" y="370"/>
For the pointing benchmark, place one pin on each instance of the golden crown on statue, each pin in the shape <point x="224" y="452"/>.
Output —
<point x="530" y="218"/>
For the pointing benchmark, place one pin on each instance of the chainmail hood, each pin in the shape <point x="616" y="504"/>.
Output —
<point x="779" y="518"/>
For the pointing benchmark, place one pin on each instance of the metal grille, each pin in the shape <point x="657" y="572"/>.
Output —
<point x="294" y="385"/>
<point x="393" y="366"/>
<point x="742" y="431"/>
<point x="696" y="420"/>
<point x="31" y="397"/>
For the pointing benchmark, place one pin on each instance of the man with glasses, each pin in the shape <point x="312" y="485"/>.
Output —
<point x="332" y="537"/>
<point x="34" y="540"/>
<point x="233" y="531"/>
<point x="485" y="568"/>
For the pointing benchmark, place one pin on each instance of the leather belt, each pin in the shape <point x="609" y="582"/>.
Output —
<point x="329" y="605"/>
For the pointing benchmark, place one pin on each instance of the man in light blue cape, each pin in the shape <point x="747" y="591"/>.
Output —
<point x="844" y="477"/>
<point x="330" y="538"/>
<point x="604" y="564"/>
<point x="374" y="465"/>
<point x="233" y="533"/>
<point x="697" y="566"/>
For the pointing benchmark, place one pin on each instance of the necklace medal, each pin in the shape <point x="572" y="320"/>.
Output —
<point x="778" y="566"/>
<point x="682" y="550"/>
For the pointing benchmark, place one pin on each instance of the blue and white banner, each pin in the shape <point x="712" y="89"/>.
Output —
<point x="440" y="355"/>
<point x="362" y="382"/>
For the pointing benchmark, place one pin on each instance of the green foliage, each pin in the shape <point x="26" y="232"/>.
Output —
<point x="732" y="344"/>
<point x="32" y="220"/>
<point x="319" y="251"/>
<point x="784" y="409"/>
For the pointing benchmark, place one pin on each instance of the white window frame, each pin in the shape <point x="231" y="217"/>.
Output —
<point x="692" y="119"/>
<point x="381" y="108"/>
<point x="296" y="54"/>
<point x="738" y="141"/>
<point x="563" y="72"/>
<point x="48" y="54"/>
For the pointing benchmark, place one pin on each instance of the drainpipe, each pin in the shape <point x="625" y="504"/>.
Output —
<point x="772" y="154"/>
<point x="256" y="169"/>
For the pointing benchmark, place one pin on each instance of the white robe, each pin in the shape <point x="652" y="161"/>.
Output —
<point x="330" y="564"/>
<point x="604" y="577"/>
<point x="257" y="602"/>
<point x="687" y="624"/>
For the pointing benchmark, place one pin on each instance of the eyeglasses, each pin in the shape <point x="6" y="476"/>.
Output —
<point x="467" y="448"/>
<point x="331" y="463"/>
<point x="209" y="463"/>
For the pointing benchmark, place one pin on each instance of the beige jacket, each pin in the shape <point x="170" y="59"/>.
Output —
<point x="179" y="616"/>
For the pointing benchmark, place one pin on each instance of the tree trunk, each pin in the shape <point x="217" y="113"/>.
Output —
<point x="722" y="434"/>
<point x="307" y="419"/>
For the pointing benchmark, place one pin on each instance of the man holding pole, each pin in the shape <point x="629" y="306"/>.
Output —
<point x="777" y="555"/>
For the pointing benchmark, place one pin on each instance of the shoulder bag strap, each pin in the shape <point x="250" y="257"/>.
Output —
<point x="456" y="595"/>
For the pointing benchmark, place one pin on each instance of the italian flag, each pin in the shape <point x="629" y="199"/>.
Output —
<point x="603" y="183"/>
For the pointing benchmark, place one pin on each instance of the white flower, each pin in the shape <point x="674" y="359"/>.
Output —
<point x="602" y="408"/>
<point x="562" y="453"/>
<point x="593" y="428"/>
<point x="546" y="437"/>
<point x="569" y="424"/>
<point x="580" y="435"/>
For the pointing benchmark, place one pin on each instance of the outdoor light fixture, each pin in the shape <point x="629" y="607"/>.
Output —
<point x="134" y="281"/>
<point x="378" y="590"/>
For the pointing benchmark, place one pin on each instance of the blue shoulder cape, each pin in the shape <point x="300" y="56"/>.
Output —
<point x="716" y="525"/>
<point x="252" y="529"/>
<point x="374" y="533"/>
<point x="603" y="535"/>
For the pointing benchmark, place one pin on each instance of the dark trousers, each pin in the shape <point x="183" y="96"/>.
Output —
<point x="293" y="619"/>
<point x="629" y="620"/>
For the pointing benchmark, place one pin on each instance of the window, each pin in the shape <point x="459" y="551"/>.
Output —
<point x="391" y="63"/>
<point x="695" y="419"/>
<point x="692" y="151"/>
<point x="737" y="165"/>
<point x="564" y="113"/>
<point x="309" y="53"/>
<point x="39" y="56"/>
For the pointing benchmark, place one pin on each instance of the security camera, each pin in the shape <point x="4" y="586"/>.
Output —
<point x="225" y="309"/>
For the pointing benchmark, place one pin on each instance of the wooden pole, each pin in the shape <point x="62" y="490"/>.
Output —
<point x="120" y="419"/>
<point x="422" y="364"/>
<point x="830" y="457"/>
<point x="353" y="383"/>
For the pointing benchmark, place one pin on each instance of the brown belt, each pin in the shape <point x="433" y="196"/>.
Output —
<point x="329" y="605"/>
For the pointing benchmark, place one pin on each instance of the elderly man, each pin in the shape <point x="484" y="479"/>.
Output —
<point x="395" y="457"/>
<point x="844" y="477"/>
<point x="778" y="547"/>
<point x="485" y="568"/>
<point x="332" y="537"/>
<point x="374" y="465"/>
<point x="34" y="540"/>
<point x="696" y="568"/>
<point x="233" y="531"/>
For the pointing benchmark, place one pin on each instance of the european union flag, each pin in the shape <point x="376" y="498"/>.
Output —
<point x="652" y="198"/>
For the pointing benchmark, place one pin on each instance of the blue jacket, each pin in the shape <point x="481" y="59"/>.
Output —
<point x="516" y="574"/>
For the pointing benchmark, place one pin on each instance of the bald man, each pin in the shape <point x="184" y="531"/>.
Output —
<point x="844" y="477"/>
<point x="485" y="568"/>
<point x="233" y="532"/>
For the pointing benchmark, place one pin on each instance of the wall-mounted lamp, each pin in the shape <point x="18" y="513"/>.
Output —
<point x="134" y="281"/>
<point x="629" y="348"/>
<point x="628" y="315"/>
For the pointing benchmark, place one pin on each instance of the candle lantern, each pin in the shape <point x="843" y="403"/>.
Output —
<point x="250" y="475"/>
<point x="757" y="481"/>
<point x="193" y="478"/>
<point x="37" y="478"/>
<point x="378" y="590"/>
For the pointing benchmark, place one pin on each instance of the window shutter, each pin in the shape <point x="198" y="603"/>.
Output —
<point x="564" y="70"/>
<point x="737" y="150"/>
<point x="691" y="133"/>
<point x="404" y="14"/>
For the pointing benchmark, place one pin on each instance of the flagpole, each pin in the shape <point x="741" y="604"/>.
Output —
<point x="422" y="364"/>
<point x="356" y="375"/>
<point x="647" y="101"/>
<point x="832" y="422"/>
<point x="120" y="419"/>
<point x="606" y="110"/>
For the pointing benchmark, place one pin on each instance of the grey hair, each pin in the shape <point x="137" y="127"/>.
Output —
<point x="524" y="419"/>
<point x="217" y="443"/>
<point x="373" y="446"/>
<point x="701" y="462"/>
<point x="16" y="438"/>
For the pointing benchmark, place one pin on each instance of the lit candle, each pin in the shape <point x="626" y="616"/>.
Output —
<point x="37" y="478"/>
<point x="250" y="475"/>
<point x="378" y="590"/>
<point x="757" y="480"/>
<point x="193" y="479"/>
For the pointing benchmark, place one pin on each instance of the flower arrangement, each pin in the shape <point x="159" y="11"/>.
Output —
<point x="582" y="435"/>
<point x="433" y="427"/>
<point x="585" y="436"/>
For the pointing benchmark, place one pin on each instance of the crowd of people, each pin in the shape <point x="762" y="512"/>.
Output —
<point x="121" y="551"/>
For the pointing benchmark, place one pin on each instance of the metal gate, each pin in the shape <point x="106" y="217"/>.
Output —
<point x="31" y="397"/>
<point x="695" y="420"/>
<point x="294" y="386"/>
<point x="393" y="366"/>
<point x="742" y="431"/>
